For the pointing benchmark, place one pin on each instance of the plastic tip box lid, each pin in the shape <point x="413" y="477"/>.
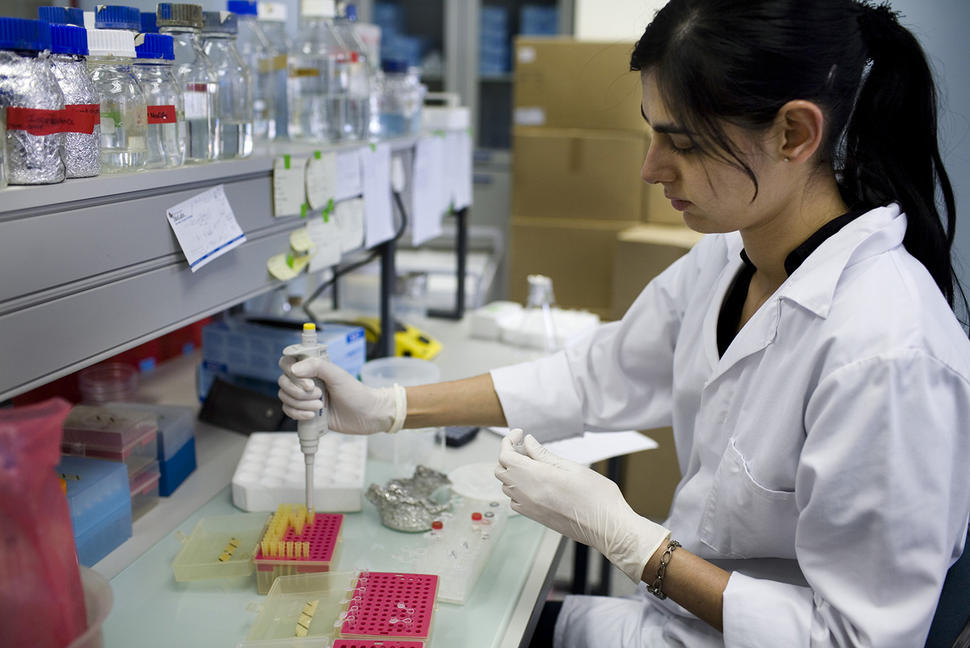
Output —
<point x="95" y="489"/>
<point x="176" y="424"/>
<point x="107" y="428"/>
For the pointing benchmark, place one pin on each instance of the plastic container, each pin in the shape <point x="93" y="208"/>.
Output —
<point x="166" y="110"/>
<point x="234" y="102"/>
<point x="286" y="549"/>
<point x="124" y="134"/>
<point x="110" y="381"/>
<point x="317" y="91"/>
<point x="144" y="489"/>
<point x="272" y="472"/>
<point x="99" y="497"/>
<point x="98" y="600"/>
<point x="110" y="433"/>
<point x="203" y="553"/>
<point x="34" y="102"/>
<point x="366" y="606"/>
<point x="197" y="78"/>
<point x="82" y="103"/>
<point x="175" y="441"/>
<point x="406" y="448"/>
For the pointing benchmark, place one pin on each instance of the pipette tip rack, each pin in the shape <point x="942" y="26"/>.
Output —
<point x="388" y="604"/>
<point x="296" y="541"/>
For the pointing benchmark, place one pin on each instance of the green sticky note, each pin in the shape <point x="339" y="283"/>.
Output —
<point x="303" y="209"/>
<point x="317" y="154"/>
<point x="286" y="161"/>
<point x="373" y="146"/>
<point x="289" y="259"/>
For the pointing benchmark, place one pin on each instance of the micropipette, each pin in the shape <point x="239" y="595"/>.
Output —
<point x="311" y="430"/>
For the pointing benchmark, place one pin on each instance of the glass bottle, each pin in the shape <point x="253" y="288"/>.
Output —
<point x="317" y="76"/>
<point x="272" y="77"/>
<point x="401" y="95"/>
<point x="359" y="80"/>
<point x="82" y="103"/>
<point x="123" y="106"/>
<point x="234" y="106"/>
<point x="166" y="111"/>
<point x="33" y="101"/>
<point x="250" y="43"/>
<point x="197" y="78"/>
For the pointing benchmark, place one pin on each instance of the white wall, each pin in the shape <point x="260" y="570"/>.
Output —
<point x="614" y="20"/>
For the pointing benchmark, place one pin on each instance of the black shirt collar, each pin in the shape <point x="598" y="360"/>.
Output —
<point x="797" y="256"/>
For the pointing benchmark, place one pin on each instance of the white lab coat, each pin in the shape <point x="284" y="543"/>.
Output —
<point x="824" y="456"/>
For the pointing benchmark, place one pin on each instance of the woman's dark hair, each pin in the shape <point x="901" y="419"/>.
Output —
<point x="739" y="62"/>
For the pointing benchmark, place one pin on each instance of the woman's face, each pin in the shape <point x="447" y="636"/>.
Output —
<point x="713" y="195"/>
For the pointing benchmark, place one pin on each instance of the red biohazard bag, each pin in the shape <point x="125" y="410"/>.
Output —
<point x="41" y="599"/>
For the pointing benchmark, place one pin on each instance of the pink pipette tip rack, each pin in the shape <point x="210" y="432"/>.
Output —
<point x="308" y="546"/>
<point x="376" y="643"/>
<point x="388" y="604"/>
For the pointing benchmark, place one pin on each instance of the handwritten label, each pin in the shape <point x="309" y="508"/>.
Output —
<point x="205" y="227"/>
<point x="161" y="114"/>
<point x="289" y="185"/>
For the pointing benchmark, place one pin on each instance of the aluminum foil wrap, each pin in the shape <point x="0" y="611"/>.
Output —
<point x="27" y="82"/>
<point x="412" y="504"/>
<point x="82" y="151"/>
<point x="3" y="149"/>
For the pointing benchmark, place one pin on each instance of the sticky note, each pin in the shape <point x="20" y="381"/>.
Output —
<point x="321" y="179"/>
<point x="300" y="241"/>
<point x="349" y="219"/>
<point x="325" y="237"/>
<point x="289" y="185"/>
<point x="284" y="270"/>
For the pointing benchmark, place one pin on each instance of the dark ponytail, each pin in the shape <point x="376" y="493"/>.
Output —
<point x="891" y="149"/>
<point x="724" y="61"/>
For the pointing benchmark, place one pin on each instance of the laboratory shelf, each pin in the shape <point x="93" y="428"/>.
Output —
<point x="91" y="267"/>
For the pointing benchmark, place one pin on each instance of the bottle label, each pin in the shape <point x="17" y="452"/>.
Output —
<point x="304" y="72"/>
<point x="196" y="103"/>
<point x="36" y="121"/>
<point x="161" y="114"/>
<point x="81" y="118"/>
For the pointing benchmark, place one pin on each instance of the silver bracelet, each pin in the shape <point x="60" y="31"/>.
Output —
<point x="657" y="588"/>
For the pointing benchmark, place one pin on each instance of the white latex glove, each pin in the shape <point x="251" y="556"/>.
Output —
<point x="354" y="407"/>
<point x="577" y="502"/>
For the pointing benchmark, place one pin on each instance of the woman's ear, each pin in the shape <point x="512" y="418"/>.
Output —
<point x="801" y="125"/>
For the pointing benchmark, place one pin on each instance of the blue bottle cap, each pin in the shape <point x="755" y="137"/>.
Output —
<point x="24" y="34"/>
<point x="242" y="7"/>
<point x="350" y="10"/>
<point x="148" y="25"/>
<point x="219" y="22"/>
<point x="61" y="15"/>
<point x="69" y="39"/>
<point x="394" y="66"/>
<point x="155" y="46"/>
<point x="117" y="17"/>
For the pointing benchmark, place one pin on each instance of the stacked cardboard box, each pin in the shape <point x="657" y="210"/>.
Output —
<point x="578" y="144"/>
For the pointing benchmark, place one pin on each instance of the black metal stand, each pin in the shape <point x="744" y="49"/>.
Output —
<point x="581" y="555"/>
<point x="388" y="278"/>
<point x="461" y="252"/>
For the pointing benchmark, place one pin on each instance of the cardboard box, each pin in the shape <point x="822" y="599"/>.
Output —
<point x="580" y="174"/>
<point x="650" y="477"/>
<point x="640" y="254"/>
<point x="565" y="83"/>
<point x="577" y="255"/>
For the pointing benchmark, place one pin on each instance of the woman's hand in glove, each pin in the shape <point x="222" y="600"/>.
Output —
<point x="577" y="502"/>
<point x="354" y="408"/>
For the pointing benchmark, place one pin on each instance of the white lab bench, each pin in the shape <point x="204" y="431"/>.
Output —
<point x="151" y="609"/>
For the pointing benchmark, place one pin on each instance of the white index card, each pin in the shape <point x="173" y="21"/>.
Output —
<point x="289" y="185"/>
<point x="349" y="217"/>
<point x="376" y="172"/>
<point x="348" y="183"/>
<point x="325" y="235"/>
<point x="459" y="156"/>
<point x="425" y="193"/>
<point x="205" y="226"/>
<point x="321" y="179"/>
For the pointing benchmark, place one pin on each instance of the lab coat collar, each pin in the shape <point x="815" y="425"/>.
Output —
<point x="812" y="285"/>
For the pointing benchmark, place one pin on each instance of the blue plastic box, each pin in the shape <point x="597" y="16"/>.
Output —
<point x="240" y="348"/>
<point x="176" y="442"/>
<point x="99" y="498"/>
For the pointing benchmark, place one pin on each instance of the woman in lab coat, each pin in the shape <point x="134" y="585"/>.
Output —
<point x="805" y="351"/>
